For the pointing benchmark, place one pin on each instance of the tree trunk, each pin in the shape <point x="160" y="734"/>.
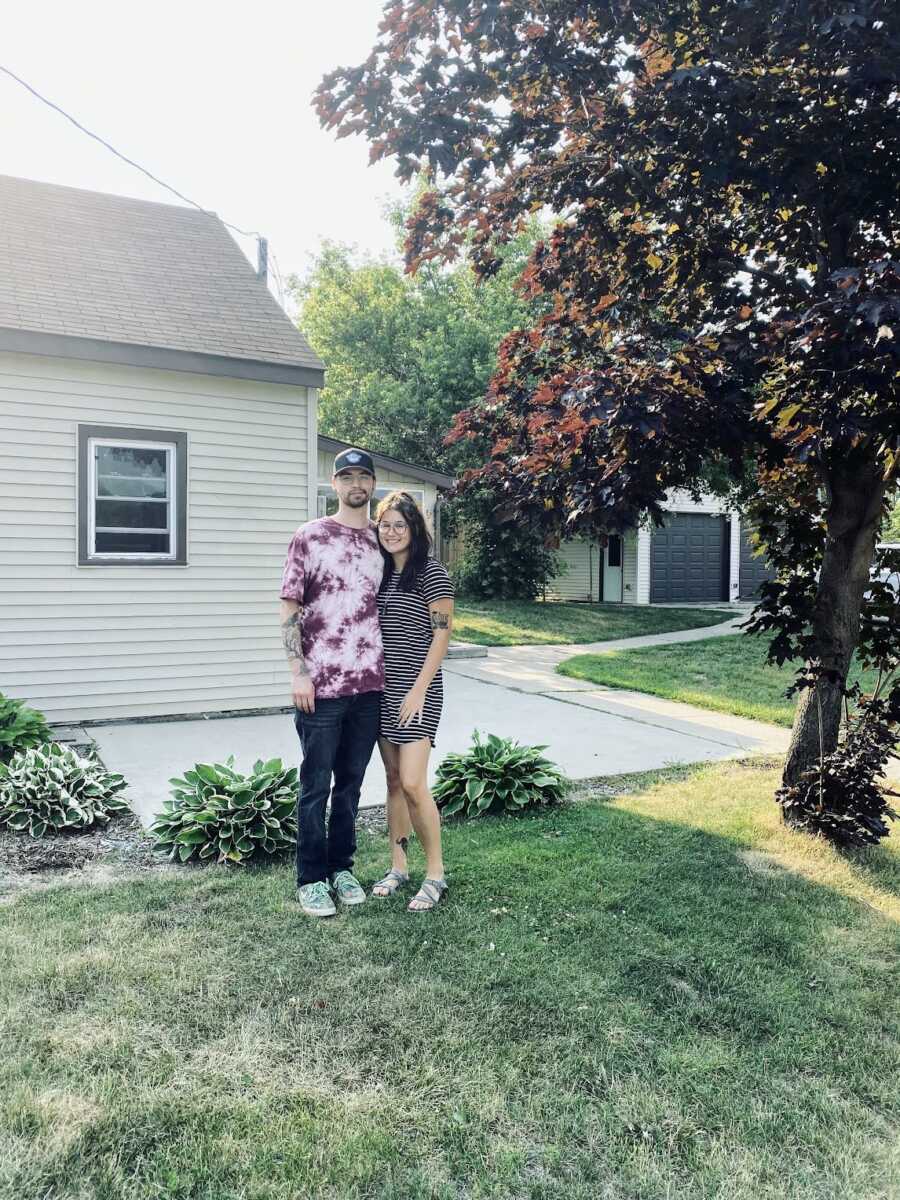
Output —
<point x="852" y="522"/>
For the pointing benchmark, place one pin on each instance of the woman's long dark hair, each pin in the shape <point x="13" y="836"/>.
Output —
<point x="420" y="539"/>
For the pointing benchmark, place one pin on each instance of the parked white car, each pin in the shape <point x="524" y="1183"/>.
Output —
<point x="887" y="565"/>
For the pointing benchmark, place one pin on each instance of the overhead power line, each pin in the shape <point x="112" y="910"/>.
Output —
<point x="124" y="157"/>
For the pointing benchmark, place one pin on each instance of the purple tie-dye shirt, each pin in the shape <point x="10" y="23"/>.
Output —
<point x="334" y="572"/>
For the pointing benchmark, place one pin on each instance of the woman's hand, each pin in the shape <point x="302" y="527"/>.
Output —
<point x="413" y="706"/>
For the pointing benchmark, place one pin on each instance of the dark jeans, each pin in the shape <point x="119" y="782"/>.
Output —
<point x="337" y="740"/>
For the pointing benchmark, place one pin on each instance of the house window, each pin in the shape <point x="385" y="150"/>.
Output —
<point x="132" y="502"/>
<point x="327" y="501"/>
<point x="417" y="494"/>
<point x="614" y="556"/>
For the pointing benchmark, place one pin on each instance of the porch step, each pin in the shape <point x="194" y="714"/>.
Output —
<point x="70" y="735"/>
<point x="466" y="650"/>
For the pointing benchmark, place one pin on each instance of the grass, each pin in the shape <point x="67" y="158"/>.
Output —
<point x="726" y="674"/>
<point x="519" y="623"/>
<point x="663" y="994"/>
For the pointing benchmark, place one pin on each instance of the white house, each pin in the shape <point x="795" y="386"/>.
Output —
<point x="701" y="555"/>
<point x="159" y="447"/>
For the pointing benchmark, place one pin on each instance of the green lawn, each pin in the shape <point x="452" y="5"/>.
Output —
<point x="518" y="623"/>
<point x="660" y="995"/>
<point x="727" y="674"/>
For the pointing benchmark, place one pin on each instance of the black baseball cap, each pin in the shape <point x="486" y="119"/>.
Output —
<point x="353" y="460"/>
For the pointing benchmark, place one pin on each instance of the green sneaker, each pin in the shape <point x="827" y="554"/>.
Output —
<point x="315" y="900"/>
<point x="347" y="888"/>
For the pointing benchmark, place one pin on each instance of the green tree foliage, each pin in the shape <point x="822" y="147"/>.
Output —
<point x="405" y="353"/>
<point x="501" y="560"/>
<point x="723" y="282"/>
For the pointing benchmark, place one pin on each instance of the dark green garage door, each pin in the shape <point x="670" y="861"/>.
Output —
<point x="688" y="559"/>
<point x="753" y="569"/>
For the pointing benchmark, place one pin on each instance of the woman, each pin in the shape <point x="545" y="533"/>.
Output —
<point x="415" y="605"/>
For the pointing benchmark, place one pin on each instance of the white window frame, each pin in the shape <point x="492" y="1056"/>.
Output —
<point x="171" y="508"/>
<point x="324" y="492"/>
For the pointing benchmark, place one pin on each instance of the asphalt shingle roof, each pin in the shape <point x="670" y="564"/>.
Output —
<point x="90" y="265"/>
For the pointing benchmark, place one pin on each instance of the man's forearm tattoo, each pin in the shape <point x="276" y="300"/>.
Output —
<point x="440" y="620"/>
<point x="293" y="644"/>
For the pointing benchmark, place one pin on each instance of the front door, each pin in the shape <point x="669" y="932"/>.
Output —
<point x="612" y="569"/>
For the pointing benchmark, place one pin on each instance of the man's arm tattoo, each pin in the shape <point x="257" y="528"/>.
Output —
<point x="440" y="620"/>
<point x="293" y="644"/>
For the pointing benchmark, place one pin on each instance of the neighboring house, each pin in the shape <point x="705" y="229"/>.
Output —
<point x="422" y="483"/>
<point x="158" y="418"/>
<point x="702" y="554"/>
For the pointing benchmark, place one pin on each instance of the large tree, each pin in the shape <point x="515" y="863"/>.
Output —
<point x="723" y="280"/>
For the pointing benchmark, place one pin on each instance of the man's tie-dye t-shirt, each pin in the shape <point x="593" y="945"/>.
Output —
<point x="334" y="572"/>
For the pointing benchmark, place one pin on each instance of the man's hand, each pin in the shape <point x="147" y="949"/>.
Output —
<point x="304" y="693"/>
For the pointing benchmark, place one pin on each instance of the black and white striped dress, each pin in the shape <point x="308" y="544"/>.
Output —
<point x="407" y="635"/>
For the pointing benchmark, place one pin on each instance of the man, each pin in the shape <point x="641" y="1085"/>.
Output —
<point x="329" y="625"/>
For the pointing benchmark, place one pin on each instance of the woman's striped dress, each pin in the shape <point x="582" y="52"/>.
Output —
<point x="407" y="635"/>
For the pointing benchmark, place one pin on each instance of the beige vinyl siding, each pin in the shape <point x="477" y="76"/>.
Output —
<point x="630" y="567"/>
<point x="105" y="642"/>
<point x="580" y="571"/>
<point x="681" y="501"/>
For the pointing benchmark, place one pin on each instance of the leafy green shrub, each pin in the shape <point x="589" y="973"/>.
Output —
<point x="20" y="727"/>
<point x="48" y="788"/>
<point x="495" y="776"/>
<point x="500" y="560"/>
<point x="217" y="812"/>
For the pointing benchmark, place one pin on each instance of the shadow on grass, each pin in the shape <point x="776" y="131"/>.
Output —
<point x="608" y="996"/>
<point x="878" y="865"/>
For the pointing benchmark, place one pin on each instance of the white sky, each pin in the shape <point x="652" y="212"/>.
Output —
<point x="212" y="97"/>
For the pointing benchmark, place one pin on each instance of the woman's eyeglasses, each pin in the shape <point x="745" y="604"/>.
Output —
<point x="397" y="527"/>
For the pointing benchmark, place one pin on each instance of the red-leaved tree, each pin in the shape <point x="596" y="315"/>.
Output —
<point x="721" y="290"/>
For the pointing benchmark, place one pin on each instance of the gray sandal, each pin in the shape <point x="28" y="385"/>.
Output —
<point x="428" y="896"/>
<point x="392" y="882"/>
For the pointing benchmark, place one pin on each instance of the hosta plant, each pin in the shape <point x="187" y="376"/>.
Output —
<point x="217" y="813"/>
<point x="20" y="727"/>
<point x="497" y="775"/>
<point x="49" y="788"/>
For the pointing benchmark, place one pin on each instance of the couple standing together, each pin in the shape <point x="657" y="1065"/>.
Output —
<point x="365" y="619"/>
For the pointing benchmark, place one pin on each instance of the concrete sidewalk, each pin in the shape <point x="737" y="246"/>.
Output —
<point x="513" y="692"/>
<point x="533" y="668"/>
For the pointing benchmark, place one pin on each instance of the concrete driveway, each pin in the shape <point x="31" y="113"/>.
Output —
<point x="512" y="692"/>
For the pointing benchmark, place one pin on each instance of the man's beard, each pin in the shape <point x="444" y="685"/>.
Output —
<point x="356" y="500"/>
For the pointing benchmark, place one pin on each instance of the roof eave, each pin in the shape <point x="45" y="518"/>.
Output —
<point x="56" y="345"/>
<point x="426" y="474"/>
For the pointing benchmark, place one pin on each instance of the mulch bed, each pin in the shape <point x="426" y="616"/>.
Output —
<point x="120" y="850"/>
